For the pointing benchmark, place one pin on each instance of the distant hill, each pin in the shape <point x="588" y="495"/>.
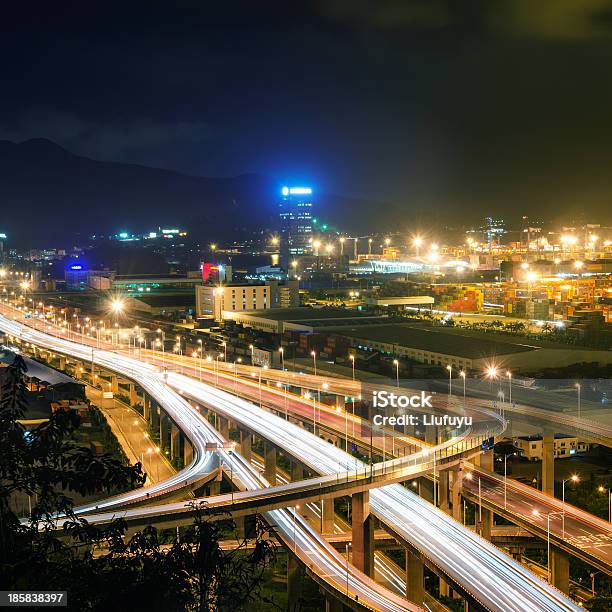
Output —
<point x="48" y="195"/>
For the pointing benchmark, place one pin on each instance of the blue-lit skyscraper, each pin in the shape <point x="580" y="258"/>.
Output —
<point x="295" y="213"/>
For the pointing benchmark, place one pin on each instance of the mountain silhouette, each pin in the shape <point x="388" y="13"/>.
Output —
<point x="49" y="195"/>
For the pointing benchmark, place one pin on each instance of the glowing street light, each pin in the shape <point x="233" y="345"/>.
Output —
<point x="396" y="364"/>
<point x="573" y="478"/>
<point x="314" y="361"/>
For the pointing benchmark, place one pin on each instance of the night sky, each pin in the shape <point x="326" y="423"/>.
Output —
<point x="482" y="105"/>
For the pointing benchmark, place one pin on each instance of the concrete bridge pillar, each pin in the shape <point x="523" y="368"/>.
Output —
<point x="154" y="416"/>
<point x="328" y="515"/>
<point x="431" y="434"/>
<point x="163" y="428"/>
<point x="114" y="381"/>
<point x="175" y="441"/>
<point x="332" y="604"/>
<point x="133" y="395"/>
<point x="486" y="524"/>
<point x="146" y="407"/>
<point x="297" y="472"/>
<point x="223" y="426"/>
<point x="443" y="491"/>
<point x="270" y="462"/>
<point x="548" y="463"/>
<point x="415" y="589"/>
<point x="559" y="569"/>
<point x="62" y="362"/>
<point x="485" y="460"/>
<point x="187" y="452"/>
<point x="363" y="533"/>
<point x="295" y="575"/>
<point x="245" y="444"/>
<point x="457" y="483"/>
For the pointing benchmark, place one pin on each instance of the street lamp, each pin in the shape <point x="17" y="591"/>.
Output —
<point x="450" y="379"/>
<point x="314" y="361"/>
<point x="572" y="478"/>
<point x="578" y="387"/>
<point x="509" y="375"/>
<point x="463" y="375"/>
<point x="281" y="350"/>
<point x="536" y="513"/>
<point x="601" y="489"/>
<point x="295" y="509"/>
<point x="396" y="364"/>
<point x="352" y="358"/>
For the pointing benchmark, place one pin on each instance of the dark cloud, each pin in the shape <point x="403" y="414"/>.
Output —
<point x="479" y="105"/>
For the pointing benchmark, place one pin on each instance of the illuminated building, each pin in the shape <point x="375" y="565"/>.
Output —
<point x="236" y="297"/>
<point x="295" y="215"/>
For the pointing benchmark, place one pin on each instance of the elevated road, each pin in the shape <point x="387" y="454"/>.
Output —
<point x="477" y="567"/>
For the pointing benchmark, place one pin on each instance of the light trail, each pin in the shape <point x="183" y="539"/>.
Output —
<point x="492" y="578"/>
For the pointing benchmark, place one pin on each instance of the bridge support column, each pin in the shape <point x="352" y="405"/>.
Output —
<point x="187" y="451"/>
<point x="363" y="533"/>
<point x="214" y="487"/>
<point x="114" y="381"/>
<point x="415" y="589"/>
<point x="175" y="441"/>
<point x="223" y="426"/>
<point x="270" y="462"/>
<point x="295" y="574"/>
<point x="245" y="444"/>
<point x="146" y="407"/>
<point x="548" y="464"/>
<point x="486" y="524"/>
<point x="559" y="569"/>
<point x="332" y="604"/>
<point x="154" y="414"/>
<point x="485" y="460"/>
<point x="327" y="515"/>
<point x="133" y="395"/>
<point x="62" y="362"/>
<point x="456" y="494"/>
<point x="443" y="491"/>
<point x="431" y="435"/>
<point x="297" y="472"/>
<point x="164" y="426"/>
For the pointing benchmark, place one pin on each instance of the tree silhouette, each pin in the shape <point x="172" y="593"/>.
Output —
<point x="99" y="566"/>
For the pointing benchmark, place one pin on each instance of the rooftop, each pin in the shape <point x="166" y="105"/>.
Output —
<point x="435" y="340"/>
<point x="306" y="314"/>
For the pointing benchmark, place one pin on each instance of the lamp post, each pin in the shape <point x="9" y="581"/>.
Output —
<point x="572" y="478"/>
<point x="252" y="354"/>
<point x="601" y="489"/>
<point x="396" y="364"/>
<point x="450" y="379"/>
<point x="463" y="376"/>
<point x="509" y="375"/>
<point x="578" y="387"/>
<point x="295" y="509"/>
<point x="536" y="513"/>
<point x="314" y="361"/>
<point x="352" y="358"/>
<point x="281" y="350"/>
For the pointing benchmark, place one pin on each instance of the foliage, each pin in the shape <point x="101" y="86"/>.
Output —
<point x="100" y="566"/>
